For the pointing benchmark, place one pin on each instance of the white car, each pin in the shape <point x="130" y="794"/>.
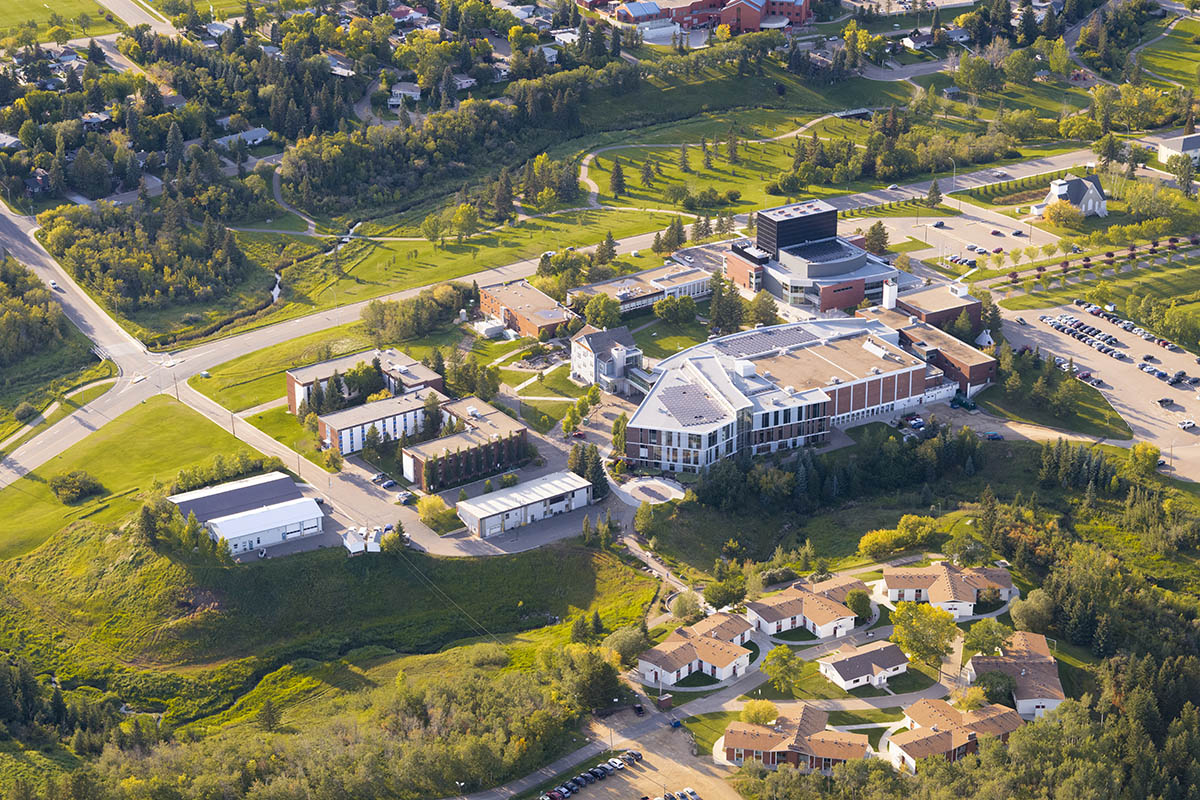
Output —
<point x="616" y="763"/>
<point x="893" y="188"/>
<point x="689" y="259"/>
<point x="1186" y="425"/>
<point x="54" y="285"/>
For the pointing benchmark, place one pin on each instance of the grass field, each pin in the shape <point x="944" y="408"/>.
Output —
<point x="902" y="208"/>
<point x="150" y="443"/>
<point x="556" y="383"/>
<point x="68" y="406"/>
<point x="707" y="728"/>
<point x="1175" y="57"/>
<point x="1092" y="414"/>
<point x="1047" y="99"/>
<point x="812" y="686"/>
<point x="1177" y="280"/>
<point x="14" y="13"/>
<point x="661" y="339"/>
<point x="866" y="716"/>
<point x="282" y="426"/>
<point x="40" y="378"/>
<point x="543" y="415"/>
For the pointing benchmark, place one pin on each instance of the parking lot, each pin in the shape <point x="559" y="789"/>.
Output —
<point x="667" y="765"/>
<point x="947" y="236"/>
<point x="1134" y="393"/>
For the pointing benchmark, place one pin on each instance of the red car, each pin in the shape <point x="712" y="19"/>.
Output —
<point x="578" y="434"/>
<point x="997" y="249"/>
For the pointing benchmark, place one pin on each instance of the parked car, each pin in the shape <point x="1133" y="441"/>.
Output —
<point x="692" y="793"/>
<point x="997" y="249"/>
<point x="893" y="188"/>
<point x="616" y="763"/>
<point x="637" y="756"/>
<point x="378" y="477"/>
<point x="997" y="232"/>
<point x="1021" y="321"/>
<point x="639" y="709"/>
<point x="993" y="436"/>
<point x="54" y="285"/>
<point x="1186" y="424"/>
<point x="404" y="498"/>
<point x="388" y="484"/>
<point x="939" y="224"/>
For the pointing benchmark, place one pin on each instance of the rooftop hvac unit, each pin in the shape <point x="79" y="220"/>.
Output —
<point x="472" y="411"/>
<point x="835" y="379"/>
<point x="789" y="389"/>
<point x="875" y="370"/>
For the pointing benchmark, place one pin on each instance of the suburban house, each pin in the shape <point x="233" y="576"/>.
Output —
<point x="463" y="81"/>
<point x="936" y="728"/>
<point x="713" y="646"/>
<point x="801" y="741"/>
<point x="392" y="418"/>
<point x="799" y="607"/>
<point x="96" y="120"/>
<point x="1180" y="145"/>
<point x="38" y="183"/>
<point x="835" y="588"/>
<point x="870" y="665"/>
<point x="553" y="494"/>
<point x="252" y="138"/>
<point x="403" y="91"/>
<point x="401" y="374"/>
<point x="957" y="35"/>
<point x="604" y="357"/>
<point x="9" y="142"/>
<point x="949" y="587"/>
<point x="1028" y="660"/>
<point x="917" y="41"/>
<point x="644" y="289"/>
<point x="1084" y="193"/>
<point x="253" y="513"/>
<point x="523" y="308"/>
<point x="485" y="441"/>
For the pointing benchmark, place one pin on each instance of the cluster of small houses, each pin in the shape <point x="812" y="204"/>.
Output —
<point x="715" y="647"/>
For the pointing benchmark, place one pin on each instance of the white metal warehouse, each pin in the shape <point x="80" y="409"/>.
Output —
<point x="557" y="493"/>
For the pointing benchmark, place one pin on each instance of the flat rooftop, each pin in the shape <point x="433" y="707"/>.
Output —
<point x="390" y="360"/>
<point x="484" y="423"/>
<point x="544" y="488"/>
<point x="848" y="359"/>
<point x="290" y="512"/>
<point x="380" y="409"/>
<point x="233" y="497"/>
<point x="936" y="298"/>
<point x="917" y="332"/>
<point x="523" y="299"/>
<point x="796" y="210"/>
<point x="647" y="282"/>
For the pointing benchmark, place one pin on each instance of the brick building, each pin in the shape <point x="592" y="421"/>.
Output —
<point x="523" y="308"/>
<point x="401" y="374"/>
<point x="488" y="441"/>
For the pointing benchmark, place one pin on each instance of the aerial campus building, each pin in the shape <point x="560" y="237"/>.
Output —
<point x="799" y="258"/>
<point x="253" y="513"/>
<point x="775" y="388"/>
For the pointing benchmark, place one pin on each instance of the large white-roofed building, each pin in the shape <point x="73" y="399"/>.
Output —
<point x="557" y="493"/>
<point x="253" y="513"/>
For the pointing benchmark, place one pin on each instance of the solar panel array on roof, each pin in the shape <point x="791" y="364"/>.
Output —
<point x="691" y="405"/>
<point x="762" y="341"/>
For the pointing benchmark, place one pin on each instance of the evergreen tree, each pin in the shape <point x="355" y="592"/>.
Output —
<point x="647" y="174"/>
<point x="685" y="164"/>
<point x="267" y="717"/>
<point x="579" y="629"/>
<point x="934" y="196"/>
<point x="616" y="181"/>
<point x="607" y="249"/>
<point x="597" y="623"/>
<point x="502" y="201"/>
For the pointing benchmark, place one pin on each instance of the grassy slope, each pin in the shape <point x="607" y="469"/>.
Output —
<point x="282" y="426"/>
<point x="15" y="12"/>
<point x="1092" y="415"/>
<point x="557" y="383"/>
<point x="155" y="440"/>
<point x="1175" y="57"/>
<point x="65" y="408"/>
<point x="38" y="379"/>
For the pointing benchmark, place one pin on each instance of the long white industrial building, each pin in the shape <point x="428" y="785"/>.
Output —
<point x="557" y="493"/>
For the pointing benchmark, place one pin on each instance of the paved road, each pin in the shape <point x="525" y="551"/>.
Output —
<point x="136" y="12"/>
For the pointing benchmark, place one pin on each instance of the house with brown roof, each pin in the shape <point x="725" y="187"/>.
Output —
<point x="798" y="606"/>
<point x="801" y="741"/>
<point x="713" y="646"/>
<point x="936" y="728"/>
<point x="947" y="586"/>
<point x="870" y="665"/>
<point x="1028" y="660"/>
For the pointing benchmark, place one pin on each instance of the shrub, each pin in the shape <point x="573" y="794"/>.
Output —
<point x="508" y="480"/>
<point x="24" y="412"/>
<point x="71" y="487"/>
<point x="435" y="513"/>
<point x="759" y="712"/>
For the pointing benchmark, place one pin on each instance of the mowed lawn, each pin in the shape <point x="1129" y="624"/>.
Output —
<point x="150" y="443"/>
<point x="1176" y="280"/>
<point x="371" y="269"/>
<point x="661" y="340"/>
<point x="1092" y="414"/>
<point x="13" y="13"/>
<point x="1175" y="57"/>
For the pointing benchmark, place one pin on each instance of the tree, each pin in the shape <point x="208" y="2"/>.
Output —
<point x="59" y="35"/>
<point x="616" y="180"/>
<point x="1142" y="460"/>
<point x="1108" y="148"/>
<point x="647" y="174"/>
<point x="502" y="199"/>
<point x="603" y="311"/>
<point x="759" y="712"/>
<point x="1034" y="612"/>
<point x="964" y="548"/>
<point x="987" y="636"/>
<point x="859" y="602"/>
<point x="1062" y="214"/>
<point x="971" y="698"/>
<point x="1184" y="170"/>
<point x="393" y="541"/>
<point x="466" y="220"/>
<point x="432" y="228"/>
<point x="923" y="631"/>
<point x="627" y="642"/>
<point x="877" y="238"/>
<point x="1020" y="67"/>
<point x="934" y="196"/>
<point x="618" y="434"/>
<point x="580" y="632"/>
<point x="267" y="717"/>
<point x="762" y="309"/>
<point x="783" y="668"/>
<point x="606" y="251"/>
<point x="728" y="592"/>
<point x="686" y="607"/>
<point x="597" y="623"/>
<point x="997" y="686"/>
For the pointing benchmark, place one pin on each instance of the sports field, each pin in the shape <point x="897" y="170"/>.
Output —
<point x="14" y="13"/>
